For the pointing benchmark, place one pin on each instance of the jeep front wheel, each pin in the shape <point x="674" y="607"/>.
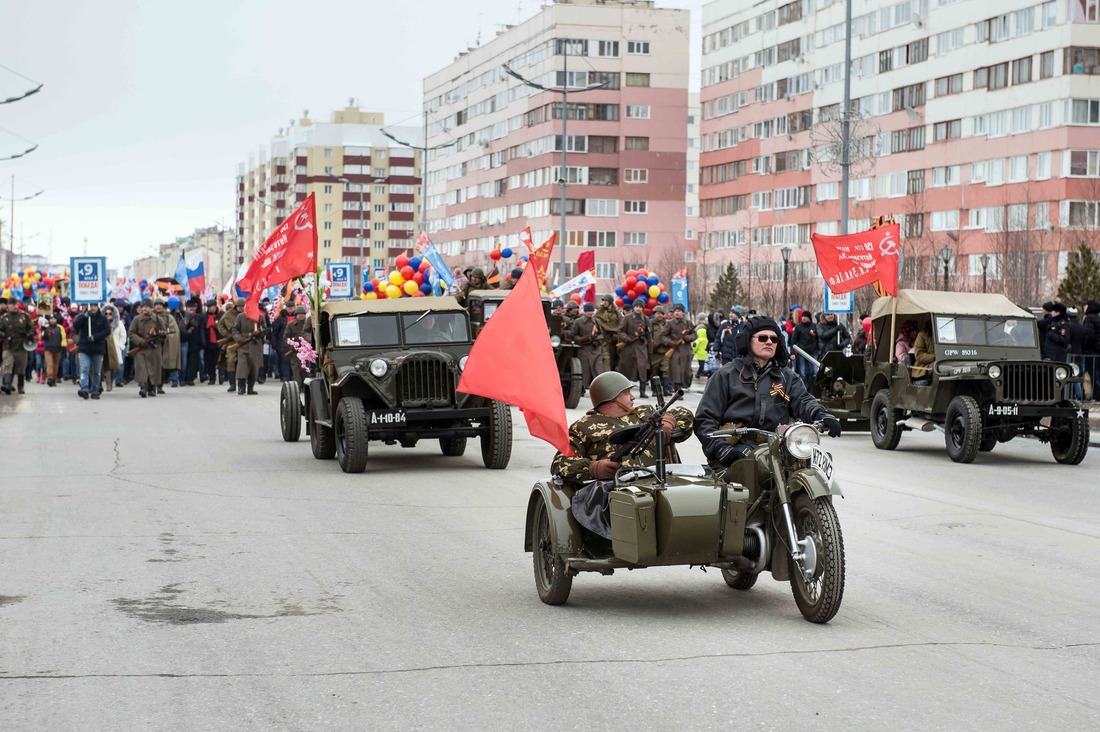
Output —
<point x="350" y="427"/>
<point x="496" y="440"/>
<point x="963" y="429"/>
<point x="885" y="432"/>
<point x="1071" y="442"/>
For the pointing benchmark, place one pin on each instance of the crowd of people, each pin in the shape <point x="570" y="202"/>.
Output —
<point x="151" y="343"/>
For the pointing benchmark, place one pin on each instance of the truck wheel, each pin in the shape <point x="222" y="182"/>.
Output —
<point x="321" y="440"/>
<point x="885" y="432"/>
<point x="350" y="428"/>
<point x="496" y="440"/>
<point x="1072" y="442"/>
<point x="552" y="578"/>
<point x="290" y="411"/>
<point x="739" y="580"/>
<point x="963" y="429"/>
<point x="572" y="386"/>
<point x="452" y="446"/>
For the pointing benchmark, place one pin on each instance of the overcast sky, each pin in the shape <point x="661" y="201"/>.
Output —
<point x="149" y="106"/>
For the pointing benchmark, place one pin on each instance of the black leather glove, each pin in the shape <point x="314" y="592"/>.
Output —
<point x="832" y="424"/>
<point x="728" y="454"/>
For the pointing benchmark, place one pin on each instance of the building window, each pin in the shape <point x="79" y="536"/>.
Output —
<point x="913" y="226"/>
<point x="914" y="181"/>
<point x="604" y="239"/>
<point x="636" y="79"/>
<point x="606" y="270"/>
<point x="1017" y="169"/>
<point x="908" y="97"/>
<point x="609" y="79"/>
<point x="947" y="130"/>
<point x="1021" y="71"/>
<point x="603" y="144"/>
<point x="380" y="208"/>
<point x="602" y="207"/>
<point x="573" y="206"/>
<point x="637" y="143"/>
<point x="328" y="243"/>
<point x="1081" y="60"/>
<point x="946" y="176"/>
<point x="1046" y="65"/>
<point x="635" y="238"/>
<point x="637" y="111"/>
<point x="1084" y="214"/>
<point x="379" y="226"/>
<point x="637" y="48"/>
<point x="1017" y="217"/>
<point x="991" y="77"/>
<point x="328" y="152"/>
<point x="1085" y="111"/>
<point x="1042" y="215"/>
<point x="607" y="49"/>
<point x="946" y="85"/>
<point x="328" y="208"/>
<point x="328" y="226"/>
<point x="1042" y="166"/>
<point x="636" y="175"/>
<point x="944" y="221"/>
<point x="1084" y="163"/>
<point x="635" y="207"/>
<point x="603" y="176"/>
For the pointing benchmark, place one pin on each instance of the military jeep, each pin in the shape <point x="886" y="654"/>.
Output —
<point x="987" y="384"/>
<point x="483" y="303"/>
<point x="389" y="372"/>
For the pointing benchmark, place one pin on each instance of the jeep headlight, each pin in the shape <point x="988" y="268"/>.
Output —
<point x="462" y="363"/>
<point x="378" y="368"/>
<point x="1061" y="373"/>
<point x="800" y="439"/>
<point x="555" y="341"/>
<point x="994" y="371"/>
<point x="1075" y="369"/>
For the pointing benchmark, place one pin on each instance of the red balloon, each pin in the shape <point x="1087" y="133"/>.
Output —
<point x="401" y="261"/>
<point x="424" y="265"/>
<point x="651" y="302"/>
<point x="407" y="271"/>
<point x="640" y="287"/>
<point x="381" y="292"/>
<point x="619" y="302"/>
<point x="418" y="293"/>
<point x="418" y="278"/>
<point x="661" y="286"/>
<point x="632" y="273"/>
<point x="643" y="273"/>
<point x="374" y="281"/>
<point x="629" y="283"/>
<point x="495" y="255"/>
<point x="648" y="311"/>
<point x="575" y="297"/>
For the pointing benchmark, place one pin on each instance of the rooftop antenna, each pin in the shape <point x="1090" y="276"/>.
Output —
<point x="480" y="16"/>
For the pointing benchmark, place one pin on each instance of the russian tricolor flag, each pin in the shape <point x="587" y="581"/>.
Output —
<point x="196" y="271"/>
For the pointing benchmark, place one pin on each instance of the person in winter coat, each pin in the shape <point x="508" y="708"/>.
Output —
<point x="170" y="353"/>
<point x="54" y="342"/>
<point x="700" y="348"/>
<point x="112" y="356"/>
<point x="93" y="328"/>
<point x="804" y="336"/>
<point x="118" y="341"/>
<point x="190" y="342"/>
<point x="1057" y="337"/>
<point x="1043" y="323"/>
<point x="1092" y="345"/>
<point x="859" y="343"/>
<point x="714" y="327"/>
<point x="832" y="335"/>
<point x="1078" y="336"/>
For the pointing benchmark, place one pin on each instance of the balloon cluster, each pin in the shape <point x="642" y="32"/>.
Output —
<point x="409" y="279"/>
<point x="30" y="282"/>
<point x="641" y="285"/>
<point x="498" y="254"/>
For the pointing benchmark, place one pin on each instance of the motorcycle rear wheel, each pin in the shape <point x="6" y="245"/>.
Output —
<point x="818" y="600"/>
<point x="739" y="580"/>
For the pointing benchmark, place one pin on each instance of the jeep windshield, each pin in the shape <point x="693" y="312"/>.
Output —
<point x="991" y="331"/>
<point x="387" y="329"/>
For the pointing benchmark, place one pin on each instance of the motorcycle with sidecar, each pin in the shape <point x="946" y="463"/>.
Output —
<point x="771" y="512"/>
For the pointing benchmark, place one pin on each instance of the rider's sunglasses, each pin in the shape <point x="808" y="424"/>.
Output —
<point x="767" y="338"/>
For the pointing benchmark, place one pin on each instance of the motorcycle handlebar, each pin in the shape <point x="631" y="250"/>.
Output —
<point x="742" y="431"/>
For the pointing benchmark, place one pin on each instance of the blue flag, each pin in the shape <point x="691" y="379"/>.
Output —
<point x="181" y="276"/>
<point x="680" y="291"/>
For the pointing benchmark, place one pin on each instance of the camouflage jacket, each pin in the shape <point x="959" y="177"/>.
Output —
<point x="609" y="319"/>
<point x="588" y="438"/>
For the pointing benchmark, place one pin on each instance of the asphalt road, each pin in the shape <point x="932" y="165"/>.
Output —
<point x="172" y="564"/>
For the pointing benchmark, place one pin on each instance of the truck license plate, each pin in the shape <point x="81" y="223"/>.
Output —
<point x="387" y="417"/>
<point x="822" y="462"/>
<point x="1004" y="410"/>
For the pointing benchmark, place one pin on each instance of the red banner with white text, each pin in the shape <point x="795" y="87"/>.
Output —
<point x="290" y="251"/>
<point x="855" y="260"/>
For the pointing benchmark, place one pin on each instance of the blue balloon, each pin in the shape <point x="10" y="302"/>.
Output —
<point x="627" y="302"/>
<point x="654" y="279"/>
<point x="415" y="263"/>
<point x="523" y="258"/>
<point x="368" y="287"/>
<point x="663" y="297"/>
<point x="144" y="284"/>
<point x="506" y="252"/>
<point x="619" y="291"/>
<point x="426" y="288"/>
<point x="173" y="303"/>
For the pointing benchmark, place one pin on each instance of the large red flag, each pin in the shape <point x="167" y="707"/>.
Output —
<point x="513" y="362"/>
<point x="850" y="262"/>
<point x="586" y="261"/>
<point x="290" y="251"/>
<point x="540" y="258"/>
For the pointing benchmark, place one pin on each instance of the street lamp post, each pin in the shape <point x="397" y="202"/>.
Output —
<point x="786" y="252"/>
<point x="564" y="91"/>
<point x="945" y="255"/>
<point x="985" y="269"/>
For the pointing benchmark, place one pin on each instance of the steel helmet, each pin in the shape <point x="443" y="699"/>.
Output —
<point x="607" y="386"/>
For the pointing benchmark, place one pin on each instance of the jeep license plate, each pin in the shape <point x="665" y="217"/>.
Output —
<point x="822" y="462"/>
<point x="1004" y="410"/>
<point x="387" y="417"/>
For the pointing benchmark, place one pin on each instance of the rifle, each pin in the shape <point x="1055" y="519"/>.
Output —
<point x="151" y="340"/>
<point x="255" y="332"/>
<point x="640" y="435"/>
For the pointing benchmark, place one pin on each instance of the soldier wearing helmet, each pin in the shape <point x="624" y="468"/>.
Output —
<point x="612" y="408"/>
<point x="228" y="364"/>
<point x="476" y="281"/>
<point x="586" y="333"/>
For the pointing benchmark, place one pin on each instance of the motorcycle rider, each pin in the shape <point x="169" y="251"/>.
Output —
<point x="757" y="389"/>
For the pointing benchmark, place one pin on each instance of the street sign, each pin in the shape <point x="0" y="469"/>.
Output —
<point x="340" y="278"/>
<point x="838" y="303"/>
<point x="89" y="279"/>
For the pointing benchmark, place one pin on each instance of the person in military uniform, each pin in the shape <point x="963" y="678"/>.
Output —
<point x="476" y="281"/>
<point x="586" y="333"/>
<point x="225" y="333"/>
<point x="610" y="320"/>
<point x="679" y="335"/>
<point x="16" y="328"/>
<point x="249" y="336"/>
<point x="557" y="307"/>
<point x="633" y="336"/>
<point x="170" y="348"/>
<point x="299" y="327"/>
<point x="612" y="408"/>
<point x="658" y="361"/>
<point x="572" y="312"/>
<point x="147" y="334"/>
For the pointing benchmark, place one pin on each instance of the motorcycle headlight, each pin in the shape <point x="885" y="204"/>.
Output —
<point x="378" y="368"/>
<point x="994" y="371"/>
<point x="1075" y="369"/>
<point x="799" y="439"/>
<point x="555" y="341"/>
<point x="462" y="363"/>
<point x="1060" y="373"/>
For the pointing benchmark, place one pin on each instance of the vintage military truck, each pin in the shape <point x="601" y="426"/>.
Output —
<point x="988" y="383"/>
<point x="839" y="387"/>
<point x="390" y="372"/>
<point x="482" y="305"/>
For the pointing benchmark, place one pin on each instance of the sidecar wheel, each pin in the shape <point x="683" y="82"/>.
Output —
<point x="819" y="599"/>
<point x="739" y="580"/>
<point x="552" y="578"/>
<point x="885" y="432"/>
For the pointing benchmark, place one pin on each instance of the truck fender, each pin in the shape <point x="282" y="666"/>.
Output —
<point x="565" y="530"/>
<point x="318" y="400"/>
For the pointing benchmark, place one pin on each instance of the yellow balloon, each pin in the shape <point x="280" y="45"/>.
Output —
<point x="393" y="291"/>
<point x="14" y="276"/>
<point x="37" y="276"/>
<point x="410" y="287"/>
<point x="654" y="291"/>
<point x="6" y="293"/>
<point x="370" y="296"/>
<point x="396" y="278"/>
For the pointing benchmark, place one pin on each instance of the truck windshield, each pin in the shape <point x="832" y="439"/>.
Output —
<point x="991" y="331"/>
<point x="435" y="327"/>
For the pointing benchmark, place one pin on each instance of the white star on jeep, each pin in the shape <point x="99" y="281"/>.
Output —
<point x="1080" y="413"/>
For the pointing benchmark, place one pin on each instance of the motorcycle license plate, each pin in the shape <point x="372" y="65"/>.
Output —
<point x="822" y="462"/>
<point x="385" y="417"/>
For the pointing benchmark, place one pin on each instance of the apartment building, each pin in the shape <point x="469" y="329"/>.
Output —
<point x="368" y="217"/>
<point x="974" y="125"/>
<point x="625" y="141"/>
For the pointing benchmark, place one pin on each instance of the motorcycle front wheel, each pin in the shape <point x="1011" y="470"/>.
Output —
<point x="818" y="599"/>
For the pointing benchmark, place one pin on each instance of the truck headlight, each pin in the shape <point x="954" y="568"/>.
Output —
<point x="462" y="363"/>
<point x="1061" y="373"/>
<point x="994" y="371"/>
<point x="378" y="368"/>
<point x="800" y="438"/>
<point x="555" y="341"/>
